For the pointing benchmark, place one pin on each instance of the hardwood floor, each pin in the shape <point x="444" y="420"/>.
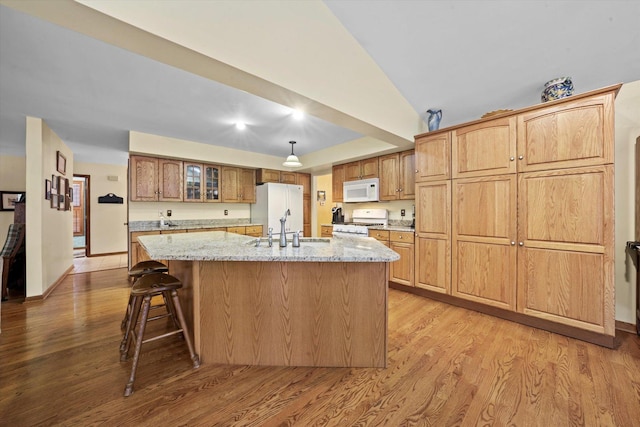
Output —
<point x="447" y="366"/>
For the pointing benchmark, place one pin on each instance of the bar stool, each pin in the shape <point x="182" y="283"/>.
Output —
<point x="145" y="288"/>
<point x="137" y="271"/>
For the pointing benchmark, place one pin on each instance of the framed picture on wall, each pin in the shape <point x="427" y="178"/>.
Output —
<point x="54" y="184"/>
<point x="55" y="201"/>
<point x="61" y="204"/>
<point x="61" y="163"/>
<point x="47" y="189"/>
<point x="8" y="200"/>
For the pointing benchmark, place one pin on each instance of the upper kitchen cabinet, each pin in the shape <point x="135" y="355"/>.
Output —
<point x="201" y="182"/>
<point x="487" y="148"/>
<point x="304" y="179"/>
<point x="433" y="157"/>
<point x="238" y="185"/>
<point x="273" y="175"/>
<point x="361" y="169"/>
<point x="337" y="181"/>
<point x="152" y="179"/>
<point x="573" y="134"/>
<point x="397" y="176"/>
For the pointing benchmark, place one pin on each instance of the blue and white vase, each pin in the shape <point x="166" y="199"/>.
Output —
<point x="434" y="119"/>
<point x="556" y="89"/>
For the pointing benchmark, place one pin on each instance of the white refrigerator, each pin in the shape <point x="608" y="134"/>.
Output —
<point x="272" y="200"/>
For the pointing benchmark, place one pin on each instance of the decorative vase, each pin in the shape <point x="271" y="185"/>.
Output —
<point x="557" y="88"/>
<point x="434" y="119"/>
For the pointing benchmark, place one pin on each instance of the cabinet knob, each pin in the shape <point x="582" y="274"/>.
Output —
<point x="521" y="243"/>
<point x="513" y="243"/>
<point x="520" y="157"/>
<point x="512" y="158"/>
<point x="400" y="237"/>
<point x="416" y="171"/>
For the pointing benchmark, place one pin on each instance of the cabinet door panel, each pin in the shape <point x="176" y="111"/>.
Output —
<point x="407" y="175"/>
<point x="369" y="168"/>
<point x="485" y="273"/>
<point x="487" y="148"/>
<point x="230" y="179"/>
<point x="433" y="264"/>
<point x="570" y="208"/>
<point x="433" y="209"/>
<point x="212" y="183"/>
<point x="433" y="157"/>
<point x="193" y="178"/>
<point x="170" y="179"/>
<point x="401" y="271"/>
<point x="337" y="181"/>
<point x="248" y="185"/>
<point x="389" y="186"/>
<point x="288" y="177"/>
<point x="565" y="287"/>
<point x="352" y="171"/>
<point x="571" y="135"/>
<point x="484" y="247"/>
<point x="143" y="179"/>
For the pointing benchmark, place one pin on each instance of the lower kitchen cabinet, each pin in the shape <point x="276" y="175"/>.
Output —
<point x="401" y="271"/>
<point x="326" y="230"/>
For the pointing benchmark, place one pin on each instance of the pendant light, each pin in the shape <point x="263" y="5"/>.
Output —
<point x="292" y="160"/>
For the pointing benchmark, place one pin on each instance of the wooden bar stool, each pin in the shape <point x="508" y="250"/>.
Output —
<point x="137" y="271"/>
<point x="145" y="288"/>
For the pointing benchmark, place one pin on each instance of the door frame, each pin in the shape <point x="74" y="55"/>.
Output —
<point x="87" y="218"/>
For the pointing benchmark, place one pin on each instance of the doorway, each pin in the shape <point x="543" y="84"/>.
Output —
<point x="81" y="213"/>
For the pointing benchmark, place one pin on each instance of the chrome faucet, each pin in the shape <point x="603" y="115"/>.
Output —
<point x="283" y="233"/>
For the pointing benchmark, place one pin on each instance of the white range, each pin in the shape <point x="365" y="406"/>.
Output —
<point x="361" y="220"/>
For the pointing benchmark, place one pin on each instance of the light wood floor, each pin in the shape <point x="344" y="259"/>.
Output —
<point x="447" y="366"/>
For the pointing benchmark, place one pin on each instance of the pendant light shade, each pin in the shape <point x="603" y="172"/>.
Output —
<point x="292" y="160"/>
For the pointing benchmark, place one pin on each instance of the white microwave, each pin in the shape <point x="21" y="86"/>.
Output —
<point x="364" y="190"/>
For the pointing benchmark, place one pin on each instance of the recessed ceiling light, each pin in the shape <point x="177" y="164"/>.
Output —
<point x="240" y="125"/>
<point x="298" y="115"/>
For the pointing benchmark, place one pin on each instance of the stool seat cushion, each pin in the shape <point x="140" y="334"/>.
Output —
<point x="145" y="267"/>
<point x="155" y="283"/>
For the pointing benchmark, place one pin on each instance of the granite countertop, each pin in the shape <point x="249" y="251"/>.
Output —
<point x="223" y="246"/>
<point x="188" y="224"/>
<point x="390" y="227"/>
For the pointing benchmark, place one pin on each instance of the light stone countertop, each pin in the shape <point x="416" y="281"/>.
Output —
<point x="188" y="224"/>
<point x="383" y="227"/>
<point x="223" y="246"/>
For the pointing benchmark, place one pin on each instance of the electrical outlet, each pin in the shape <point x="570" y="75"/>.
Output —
<point x="168" y="212"/>
<point x="160" y="214"/>
<point x="401" y="212"/>
<point x="226" y="212"/>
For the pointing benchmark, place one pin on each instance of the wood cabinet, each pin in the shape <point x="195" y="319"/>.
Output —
<point x="397" y="176"/>
<point x="211" y="183"/>
<point x="304" y="179"/>
<point x="402" y="242"/>
<point x="249" y="230"/>
<point x="433" y="236"/>
<point x="273" y="175"/>
<point x="153" y="179"/>
<point x="433" y="157"/>
<point x="337" y="181"/>
<point x="361" y="169"/>
<point x="530" y="200"/>
<point x="238" y="185"/>
<point x="401" y="271"/>
<point x="326" y="231"/>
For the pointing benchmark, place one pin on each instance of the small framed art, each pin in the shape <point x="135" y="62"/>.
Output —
<point x="61" y="163"/>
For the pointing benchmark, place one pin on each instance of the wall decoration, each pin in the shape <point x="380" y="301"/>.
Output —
<point x="55" y="201"/>
<point x="54" y="184"/>
<point x="61" y="163"/>
<point x="61" y="202"/>
<point x="47" y="189"/>
<point x="8" y="200"/>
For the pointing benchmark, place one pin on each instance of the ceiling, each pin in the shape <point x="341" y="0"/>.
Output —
<point x="464" y="57"/>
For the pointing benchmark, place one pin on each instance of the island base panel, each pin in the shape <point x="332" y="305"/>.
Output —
<point x="292" y="313"/>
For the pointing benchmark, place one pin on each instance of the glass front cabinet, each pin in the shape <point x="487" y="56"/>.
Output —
<point x="201" y="182"/>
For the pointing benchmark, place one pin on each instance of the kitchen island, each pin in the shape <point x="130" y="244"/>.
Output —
<point x="321" y="304"/>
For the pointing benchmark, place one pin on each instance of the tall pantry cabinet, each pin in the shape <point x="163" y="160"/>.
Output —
<point x="524" y="217"/>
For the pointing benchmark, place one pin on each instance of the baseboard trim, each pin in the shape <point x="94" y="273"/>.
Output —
<point x="51" y="288"/>
<point x="625" y="327"/>
<point x="107" y="254"/>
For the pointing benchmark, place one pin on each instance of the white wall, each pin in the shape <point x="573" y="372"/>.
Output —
<point x="108" y="231"/>
<point x="627" y="130"/>
<point x="49" y="237"/>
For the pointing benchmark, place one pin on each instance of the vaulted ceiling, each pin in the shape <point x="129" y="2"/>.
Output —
<point x="361" y="70"/>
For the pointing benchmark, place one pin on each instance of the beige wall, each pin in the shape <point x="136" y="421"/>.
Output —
<point x="627" y="130"/>
<point x="323" y="213"/>
<point x="12" y="178"/>
<point x="49" y="238"/>
<point x="108" y="231"/>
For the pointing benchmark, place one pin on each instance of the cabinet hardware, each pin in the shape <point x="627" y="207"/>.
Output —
<point x="521" y="243"/>
<point x="513" y="243"/>
<point x="512" y="158"/>
<point x="520" y="157"/>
